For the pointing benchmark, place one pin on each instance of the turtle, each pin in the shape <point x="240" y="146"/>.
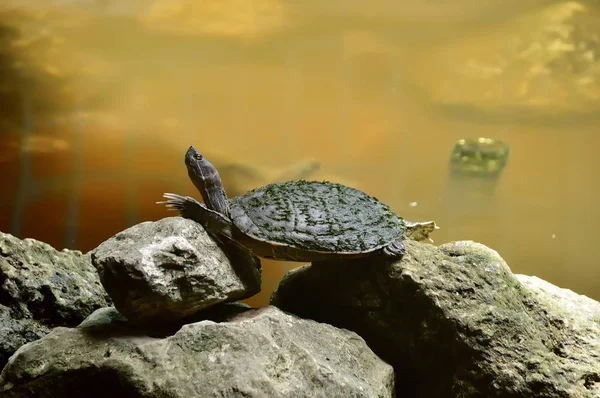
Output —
<point x="300" y="220"/>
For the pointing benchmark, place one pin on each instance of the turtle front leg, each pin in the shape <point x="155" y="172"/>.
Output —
<point x="211" y="220"/>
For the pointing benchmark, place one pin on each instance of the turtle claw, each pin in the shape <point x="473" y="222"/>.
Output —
<point x="176" y="202"/>
<point x="182" y="204"/>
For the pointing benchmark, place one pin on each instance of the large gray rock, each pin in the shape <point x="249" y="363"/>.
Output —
<point x="454" y="321"/>
<point x="41" y="288"/>
<point x="168" y="270"/>
<point x="258" y="353"/>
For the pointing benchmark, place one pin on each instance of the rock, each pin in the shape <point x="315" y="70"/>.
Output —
<point x="455" y="321"/>
<point x="41" y="288"/>
<point x="168" y="270"/>
<point x="258" y="353"/>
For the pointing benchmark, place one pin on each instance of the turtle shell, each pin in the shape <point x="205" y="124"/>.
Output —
<point x="316" y="217"/>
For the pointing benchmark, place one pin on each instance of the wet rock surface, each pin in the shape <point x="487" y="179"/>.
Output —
<point x="171" y="269"/>
<point x="257" y="353"/>
<point x="443" y="321"/>
<point x="455" y="321"/>
<point x="41" y="288"/>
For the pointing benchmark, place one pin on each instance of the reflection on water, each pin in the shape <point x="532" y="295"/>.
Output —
<point x="539" y="66"/>
<point x="102" y="98"/>
<point x="470" y="200"/>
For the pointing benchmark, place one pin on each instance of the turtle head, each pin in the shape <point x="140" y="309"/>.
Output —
<point x="206" y="179"/>
<point x="199" y="168"/>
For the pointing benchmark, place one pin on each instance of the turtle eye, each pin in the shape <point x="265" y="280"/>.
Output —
<point x="199" y="156"/>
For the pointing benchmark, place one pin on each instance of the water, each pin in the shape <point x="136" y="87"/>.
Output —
<point x="105" y="99"/>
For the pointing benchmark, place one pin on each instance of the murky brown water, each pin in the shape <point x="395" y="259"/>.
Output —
<point x="100" y="102"/>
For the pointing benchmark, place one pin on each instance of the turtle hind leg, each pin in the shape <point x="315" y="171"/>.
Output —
<point x="190" y="208"/>
<point x="394" y="249"/>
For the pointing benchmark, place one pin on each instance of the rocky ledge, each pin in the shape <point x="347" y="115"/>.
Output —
<point x="454" y="321"/>
<point x="447" y="321"/>
<point x="41" y="288"/>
